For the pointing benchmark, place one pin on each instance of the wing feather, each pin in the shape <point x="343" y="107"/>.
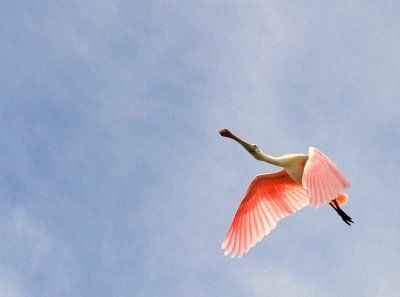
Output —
<point x="242" y="238"/>
<point x="255" y="222"/>
<point x="267" y="217"/>
<point x="322" y="180"/>
<point x="269" y="198"/>
<point x="264" y="224"/>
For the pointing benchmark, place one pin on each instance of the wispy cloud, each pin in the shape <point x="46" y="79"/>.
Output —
<point x="115" y="182"/>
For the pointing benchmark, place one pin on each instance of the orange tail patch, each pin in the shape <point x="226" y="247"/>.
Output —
<point x="341" y="198"/>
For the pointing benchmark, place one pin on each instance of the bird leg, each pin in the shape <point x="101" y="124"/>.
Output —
<point x="340" y="212"/>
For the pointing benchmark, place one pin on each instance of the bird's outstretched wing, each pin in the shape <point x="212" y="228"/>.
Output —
<point x="321" y="178"/>
<point x="269" y="198"/>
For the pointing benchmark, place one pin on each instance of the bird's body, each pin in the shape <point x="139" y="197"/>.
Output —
<point x="294" y="165"/>
<point x="306" y="179"/>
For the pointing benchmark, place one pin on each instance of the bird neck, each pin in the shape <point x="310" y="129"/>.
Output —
<point x="277" y="161"/>
<point x="254" y="150"/>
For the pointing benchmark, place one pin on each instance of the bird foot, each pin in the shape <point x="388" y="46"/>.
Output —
<point x="345" y="217"/>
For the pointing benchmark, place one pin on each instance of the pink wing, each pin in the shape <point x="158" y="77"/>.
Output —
<point x="269" y="198"/>
<point x="321" y="178"/>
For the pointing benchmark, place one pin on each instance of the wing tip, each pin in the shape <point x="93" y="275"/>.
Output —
<point x="312" y="149"/>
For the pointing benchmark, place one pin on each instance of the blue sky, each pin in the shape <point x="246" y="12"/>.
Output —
<point x="114" y="181"/>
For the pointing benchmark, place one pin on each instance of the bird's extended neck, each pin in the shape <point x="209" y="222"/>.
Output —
<point x="253" y="149"/>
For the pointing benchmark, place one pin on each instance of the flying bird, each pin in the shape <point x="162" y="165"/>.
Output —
<point x="306" y="179"/>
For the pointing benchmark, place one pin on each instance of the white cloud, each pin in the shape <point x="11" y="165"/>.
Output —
<point x="33" y="261"/>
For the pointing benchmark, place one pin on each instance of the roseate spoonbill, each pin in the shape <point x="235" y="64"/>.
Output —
<point x="306" y="179"/>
